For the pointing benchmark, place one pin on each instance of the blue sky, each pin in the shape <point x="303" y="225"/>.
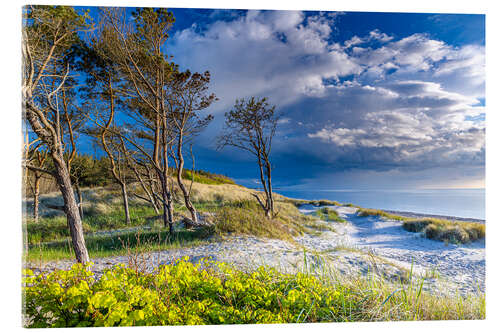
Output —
<point x="370" y="100"/>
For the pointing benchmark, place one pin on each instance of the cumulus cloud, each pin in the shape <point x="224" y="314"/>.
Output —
<point x="276" y="53"/>
<point x="375" y="102"/>
<point x="413" y="122"/>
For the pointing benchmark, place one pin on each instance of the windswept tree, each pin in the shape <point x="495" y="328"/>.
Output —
<point x="251" y="126"/>
<point x="137" y="48"/>
<point x="49" y="32"/>
<point x="104" y="95"/>
<point x="187" y="98"/>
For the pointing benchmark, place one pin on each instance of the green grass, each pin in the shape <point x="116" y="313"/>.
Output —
<point x="49" y="238"/>
<point x="329" y="214"/>
<point x="457" y="232"/>
<point x="119" y="244"/>
<point x="109" y="218"/>
<point x="204" y="177"/>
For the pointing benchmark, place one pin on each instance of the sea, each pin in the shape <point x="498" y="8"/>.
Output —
<point x="465" y="203"/>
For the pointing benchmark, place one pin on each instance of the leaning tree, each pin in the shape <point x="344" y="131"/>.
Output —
<point x="187" y="98"/>
<point x="136" y="47"/>
<point x="251" y="126"/>
<point x="49" y="33"/>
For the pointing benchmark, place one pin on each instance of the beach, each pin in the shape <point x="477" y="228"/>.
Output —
<point x="360" y="246"/>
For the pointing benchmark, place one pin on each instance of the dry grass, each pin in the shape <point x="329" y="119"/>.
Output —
<point x="447" y="231"/>
<point x="433" y="228"/>
<point x="364" y="212"/>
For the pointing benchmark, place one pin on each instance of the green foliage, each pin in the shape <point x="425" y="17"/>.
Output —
<point x="205" y="177"/>
<point x="329" y="214"/>
<point x="91" y="171"/>
<point x="215" y="293"/>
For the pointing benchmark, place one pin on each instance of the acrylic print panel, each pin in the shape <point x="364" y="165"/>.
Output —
<point x="227" y="166"/>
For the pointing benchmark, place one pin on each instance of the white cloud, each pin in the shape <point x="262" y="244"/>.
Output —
<point x="409" y="101"/>
<point x="417" y="121"/>
<point x="276" y="54"/>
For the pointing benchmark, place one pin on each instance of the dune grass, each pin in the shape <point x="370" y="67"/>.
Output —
<point x="447" y="231"/>
<point x="364" y="212"/>
<point x="317" y="203"/>
<point x="432" y="228"/>
<point x="329" y="214"/>
<point x="236" y="212"/>
<point x="247" y="218"/>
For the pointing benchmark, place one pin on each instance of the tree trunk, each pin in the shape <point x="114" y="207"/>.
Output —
<point x="125" y="202"/>
<point x="170" y="209"/>
<point x="80" y="199"/>
<point x="266" y="207"/>
<point x="168" y="219"/>
<point x="185" y="192"/>
<point x="71" y="208"/>
<point x="36" y="199"/>
<point x="153" y="188"/>
<point x="269" y="187"/>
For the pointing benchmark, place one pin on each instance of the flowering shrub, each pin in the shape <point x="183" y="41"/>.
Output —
<point x="180" y="294"/>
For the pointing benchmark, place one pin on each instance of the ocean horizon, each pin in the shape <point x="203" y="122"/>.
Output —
<point x="465" y="203"/>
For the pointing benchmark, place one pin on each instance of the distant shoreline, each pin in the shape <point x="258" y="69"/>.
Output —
<point x="445" y="217"/>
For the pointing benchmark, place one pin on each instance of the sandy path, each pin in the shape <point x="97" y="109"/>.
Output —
<point x="463" y="266"/>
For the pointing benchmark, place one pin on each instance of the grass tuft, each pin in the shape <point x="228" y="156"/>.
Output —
<point x="329" y="214"/>
<point x="432" y="228"/>
<point x="447" y="231"/>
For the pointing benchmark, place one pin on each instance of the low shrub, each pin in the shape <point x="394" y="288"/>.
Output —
<point x="214" y="293"/>
<point x="182" y="294"/>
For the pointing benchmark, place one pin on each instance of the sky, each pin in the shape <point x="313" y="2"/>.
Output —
<point x="369" y="100"/>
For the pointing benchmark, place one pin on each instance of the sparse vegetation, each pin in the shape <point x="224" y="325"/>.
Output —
<point x="329" y="214"/>
<point x="364" y="212"/>
<point x="317" y="203"/>
<point x="233" y="208"/>
<point x="204" y="177"/>
<point x="433" y="228"/>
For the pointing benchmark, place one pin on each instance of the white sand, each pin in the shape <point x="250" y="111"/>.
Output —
<point x="463" y="266"/>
